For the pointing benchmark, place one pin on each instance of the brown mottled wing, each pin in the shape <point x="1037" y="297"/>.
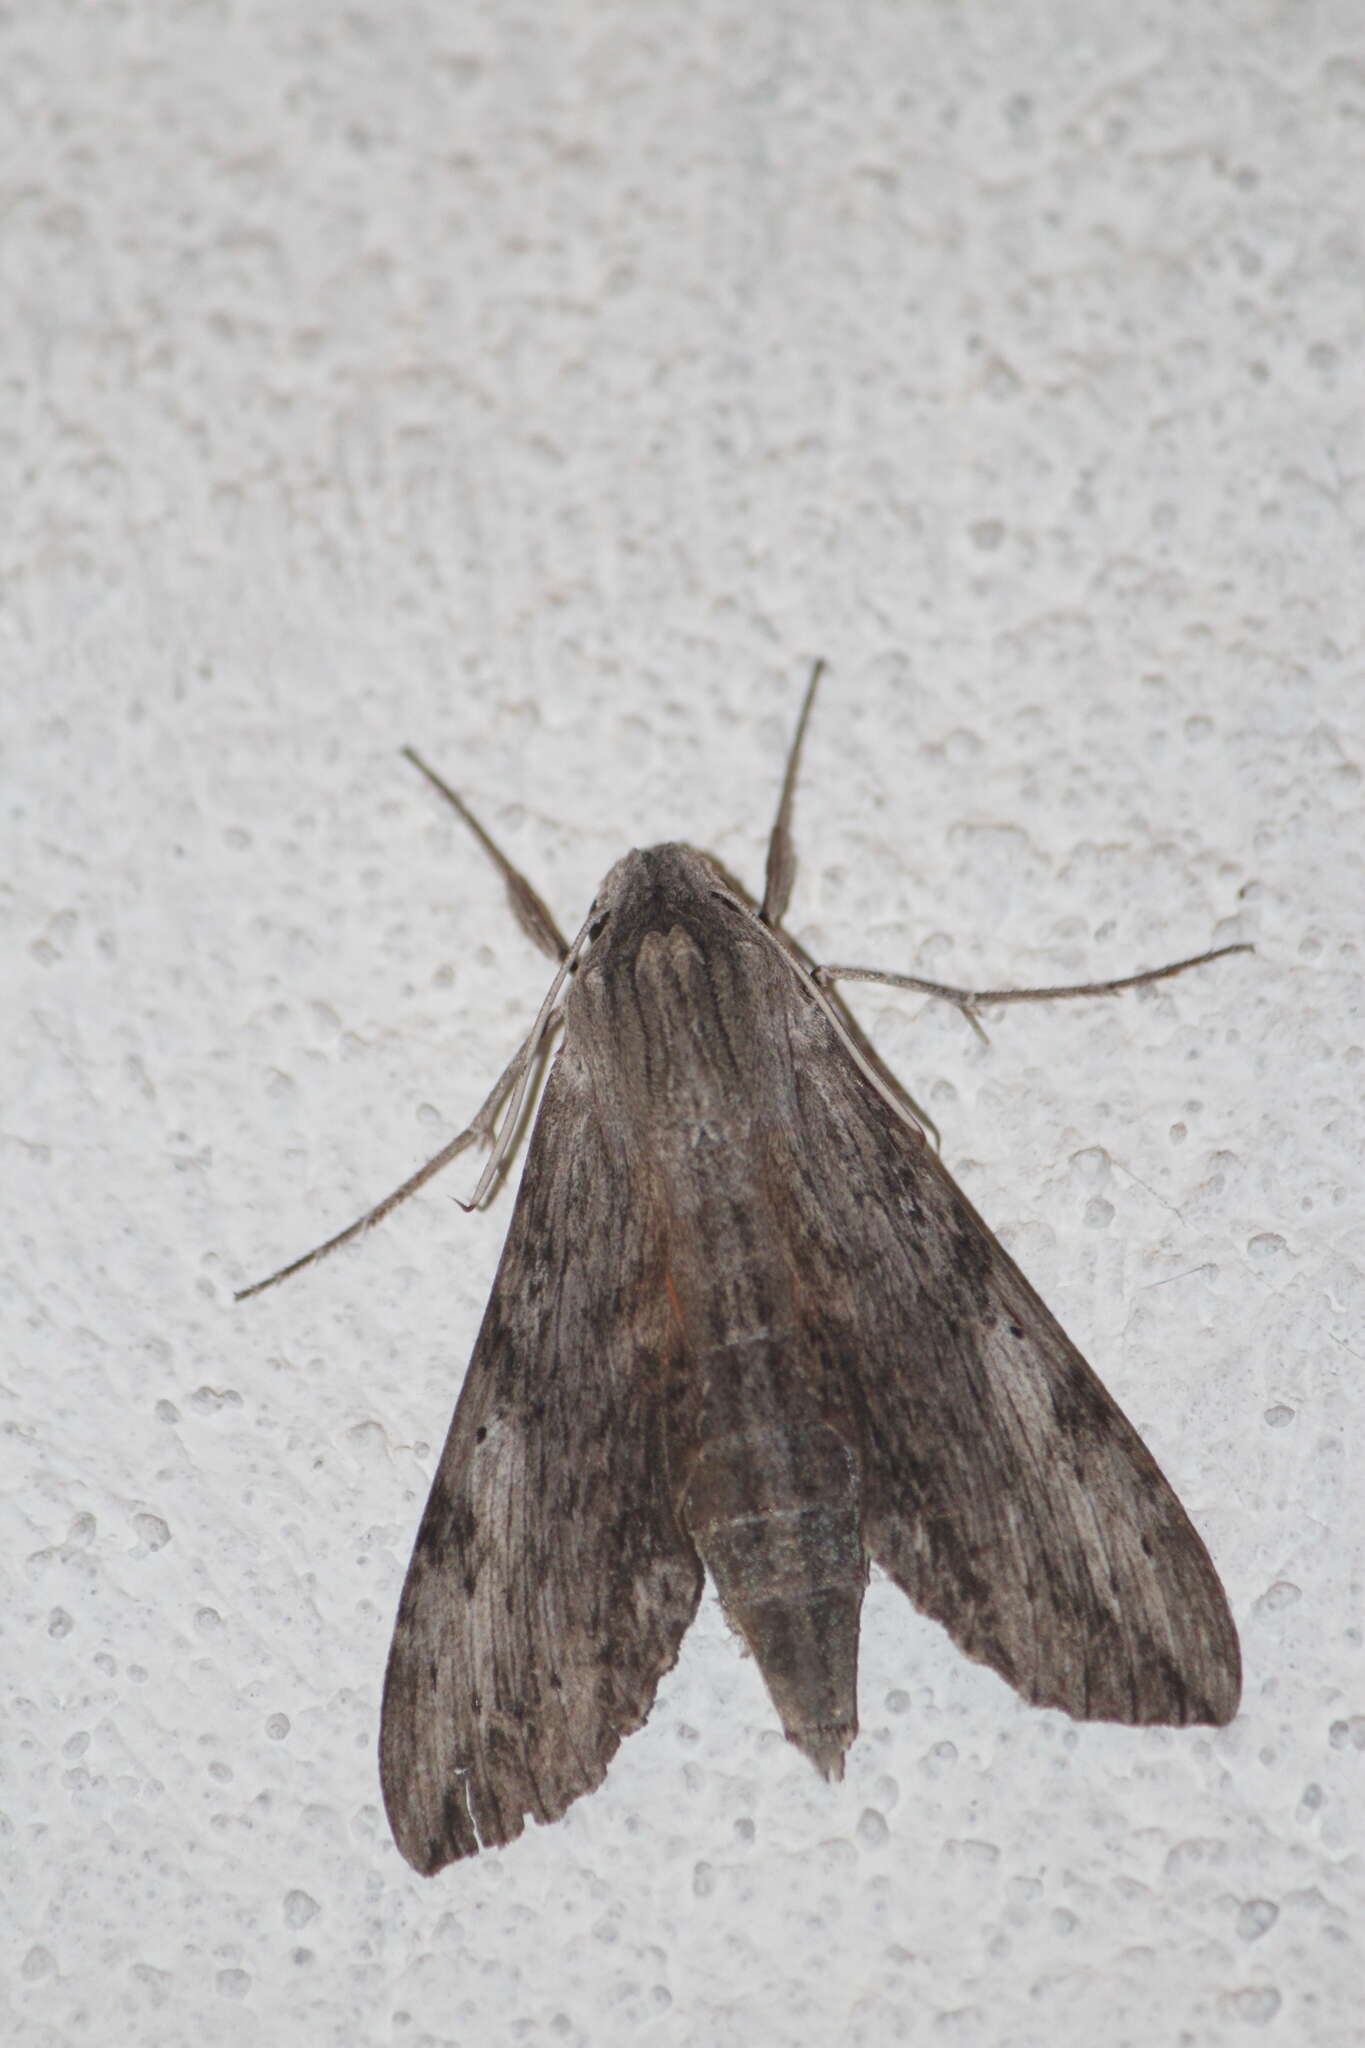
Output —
<point x="1005" y="1492"/>
<point x="551" y="1582"/>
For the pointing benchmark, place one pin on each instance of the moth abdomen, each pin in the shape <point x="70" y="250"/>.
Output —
<point x="775" y="1514"/>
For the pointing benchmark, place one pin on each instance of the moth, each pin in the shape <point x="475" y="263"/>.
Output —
<point x="745" y="1323"/>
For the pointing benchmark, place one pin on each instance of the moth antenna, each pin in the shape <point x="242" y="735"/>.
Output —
<point x="529" y="909"/>
<point x="781" y="869"/>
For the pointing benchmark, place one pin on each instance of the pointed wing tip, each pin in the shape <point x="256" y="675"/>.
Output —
<point x="435" y="1858"/>
<point x="1144" y="1688"/>
<point x="1224" y="1704"/>
<point x="429" y="1836"/>
<point x="1211" y="1695"/>
<point x="430" y="1852"/>
<point x="1211" y="1700"/>
<point x="1185" y="1713"/>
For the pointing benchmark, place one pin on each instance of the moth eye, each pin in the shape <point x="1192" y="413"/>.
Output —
<point x="597" y="925"/>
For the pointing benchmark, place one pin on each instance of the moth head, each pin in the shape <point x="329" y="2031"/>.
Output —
<point x="670" y="938"/>
<point x="658" y="886"/>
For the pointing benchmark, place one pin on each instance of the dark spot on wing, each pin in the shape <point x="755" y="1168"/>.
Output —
<point x="1079" y="1403"/>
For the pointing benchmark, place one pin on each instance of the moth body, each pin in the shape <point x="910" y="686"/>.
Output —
<point x="765" y="1489"/>
<point x="746" y="1323"/>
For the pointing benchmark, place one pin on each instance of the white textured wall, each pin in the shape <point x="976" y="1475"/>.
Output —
<point x="544" y="387"/>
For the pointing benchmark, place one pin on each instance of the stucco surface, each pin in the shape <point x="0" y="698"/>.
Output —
<point x="545" y="388"/>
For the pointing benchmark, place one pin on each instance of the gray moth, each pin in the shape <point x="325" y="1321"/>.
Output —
<point x="745" y="1323"/>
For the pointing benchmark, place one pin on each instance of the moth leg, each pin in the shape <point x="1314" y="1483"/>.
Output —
<point x="781" y="868"/>
<point x="528" y="908"/>
<point x="969" y="1000"/>
<point x="482" y="1126"/>
<point x="535" y="919"/>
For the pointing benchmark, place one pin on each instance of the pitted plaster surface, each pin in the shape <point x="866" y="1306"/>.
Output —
<point x="545" y="388"/>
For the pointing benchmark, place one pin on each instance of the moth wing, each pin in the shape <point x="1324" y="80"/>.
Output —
<point x="1005" y="1491"/>
<point x="551" y="1582"/>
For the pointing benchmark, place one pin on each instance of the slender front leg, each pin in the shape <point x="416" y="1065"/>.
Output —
<point x="483" y="1126"/>
<point x="536" y="921"/>
<point x="969" y="1000"/>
